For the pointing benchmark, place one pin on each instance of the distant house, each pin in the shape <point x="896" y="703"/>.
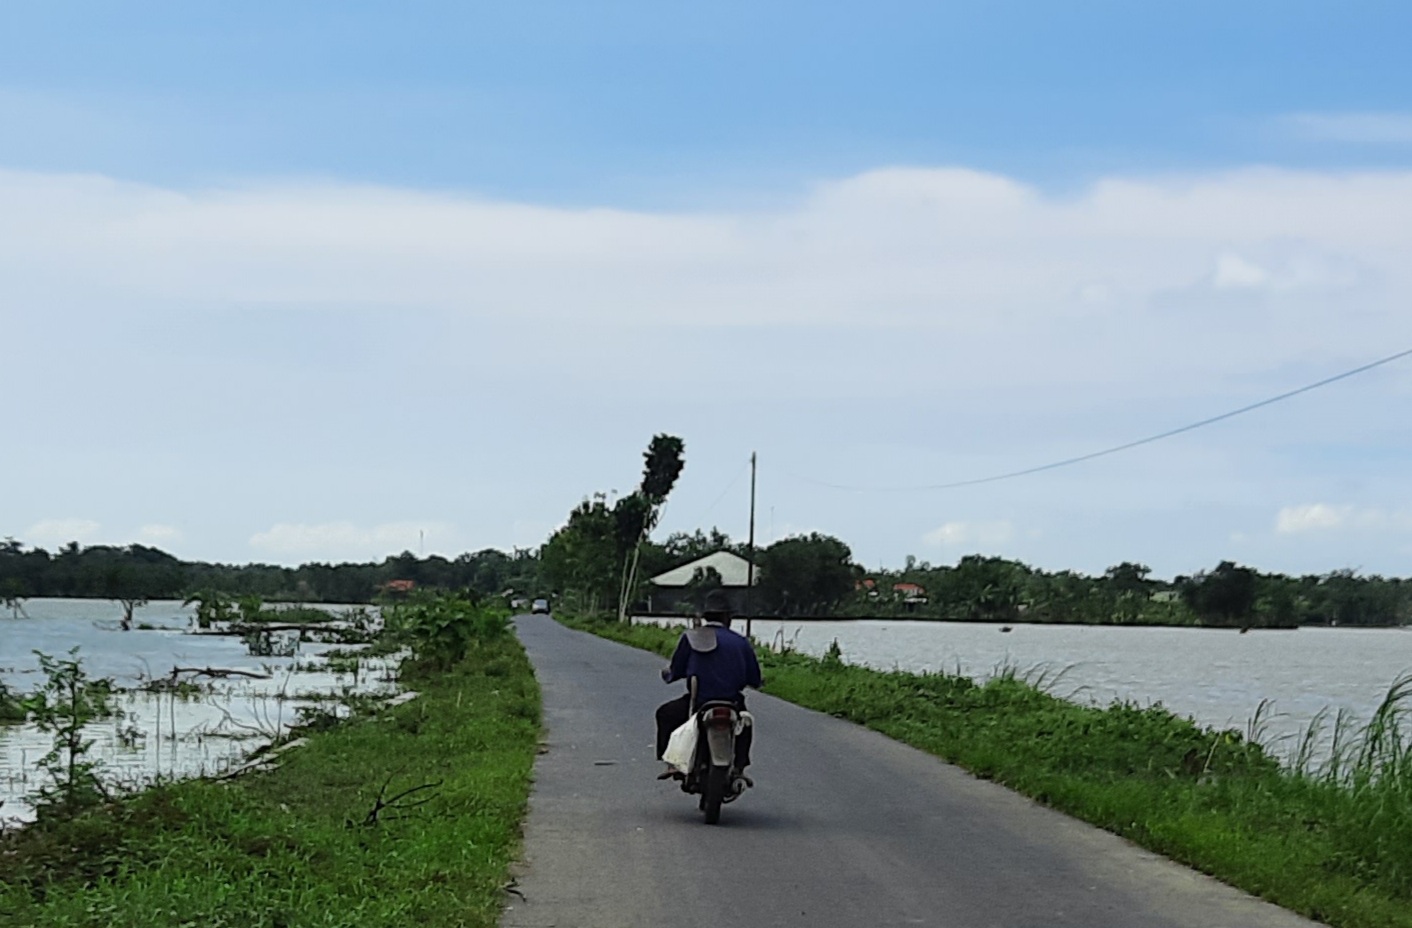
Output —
<point x="399" y="586"/>
<point x="674" y="591"/>
<point x="911" y="594"/>
<point x="910" y="590"/>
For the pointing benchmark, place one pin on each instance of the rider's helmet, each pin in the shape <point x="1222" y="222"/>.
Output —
<point x="717" y="608"/>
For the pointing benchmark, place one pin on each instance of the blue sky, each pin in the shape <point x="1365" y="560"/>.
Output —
<point x="648" y="104"/>
<point x="286" y="283"/>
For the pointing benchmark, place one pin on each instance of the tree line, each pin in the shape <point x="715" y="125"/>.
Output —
<point x="603" y="558"/>
<point x="1230" y="595"/>
<point x="139" y="572"/>
<point x="815" y="576"/>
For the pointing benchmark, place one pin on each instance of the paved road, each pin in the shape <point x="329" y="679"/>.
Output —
<point x="845" y="829"/>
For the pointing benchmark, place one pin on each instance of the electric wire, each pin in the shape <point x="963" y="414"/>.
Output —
<point x="730" y="486"/>
<point x="1066" y="462"/>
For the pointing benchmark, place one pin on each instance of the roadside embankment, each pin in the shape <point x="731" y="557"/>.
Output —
<point x="1329" y="838"/>
<point x="402" y="815"/>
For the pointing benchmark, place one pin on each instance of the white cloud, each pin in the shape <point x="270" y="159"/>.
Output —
<point x="1357" y="128"/>
<point x="159" y="534"/>
<point x="1287" y="269"/>
<point x="336" y="541"/>
<point x="50" y="533"/>
<point x="955" y="534"/>
<point x="1318" y="517"/>
<point x="1311" y="517"/>
<point x="903" y="326"/>
<point x="1234" y="272"/>
<point x="949" y="249"/>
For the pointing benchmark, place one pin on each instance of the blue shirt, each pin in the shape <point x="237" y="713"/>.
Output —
<point x="720" y="673"/>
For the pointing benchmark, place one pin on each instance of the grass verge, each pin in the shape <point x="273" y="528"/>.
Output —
<point x="1333" y="844"/>
<point x="305" y="844"/>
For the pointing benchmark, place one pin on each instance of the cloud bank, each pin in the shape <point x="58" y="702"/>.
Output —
<point x="921" y="324"/>
<point x="949" y="248"/>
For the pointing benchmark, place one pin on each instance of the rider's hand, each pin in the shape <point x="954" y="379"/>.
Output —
<point x="666" y="675"/>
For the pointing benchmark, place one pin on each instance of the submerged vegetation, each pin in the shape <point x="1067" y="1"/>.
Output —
<point x="64" y="705"/>
<point x="405" y="814"/>
<point x="12" y="707"/>
<point x="1327" y="833"/>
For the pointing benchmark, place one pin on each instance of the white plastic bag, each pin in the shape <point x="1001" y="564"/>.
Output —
<point x="681" y="746"/>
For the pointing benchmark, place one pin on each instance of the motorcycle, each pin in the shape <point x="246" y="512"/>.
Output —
<point x="711" y="771"/>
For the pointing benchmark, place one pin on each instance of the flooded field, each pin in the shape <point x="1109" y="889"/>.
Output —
<point x="205" y="725"/>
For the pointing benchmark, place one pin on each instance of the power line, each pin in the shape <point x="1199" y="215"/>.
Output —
<point x="730" y="486"/>
<point x="1128" y="445"/>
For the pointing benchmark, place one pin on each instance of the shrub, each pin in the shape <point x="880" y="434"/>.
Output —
<point x="441" y="629"/>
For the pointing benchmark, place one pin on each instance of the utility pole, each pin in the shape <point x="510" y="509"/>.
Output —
<point x="750" y="554"/>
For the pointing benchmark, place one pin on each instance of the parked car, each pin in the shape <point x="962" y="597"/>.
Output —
<point x="540" y="607"/>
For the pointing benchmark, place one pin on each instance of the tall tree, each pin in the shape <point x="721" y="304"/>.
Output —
<point x="1226" y="594"/>
<point x="636" y="514"/>
<point x="806" y="575"/>
<point x="580" y="557"/>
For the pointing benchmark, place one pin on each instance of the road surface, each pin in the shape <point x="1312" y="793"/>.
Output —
<point x="845" y="828"/>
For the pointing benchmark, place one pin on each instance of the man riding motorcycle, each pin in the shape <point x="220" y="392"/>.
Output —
<point x="723" y="663"/>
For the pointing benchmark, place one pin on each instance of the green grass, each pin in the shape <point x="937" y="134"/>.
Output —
<point x="1332" y="841"/>
<point x="293" y="847"/>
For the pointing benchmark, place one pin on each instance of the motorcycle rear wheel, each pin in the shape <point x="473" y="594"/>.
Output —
<point x="714" y="792"/>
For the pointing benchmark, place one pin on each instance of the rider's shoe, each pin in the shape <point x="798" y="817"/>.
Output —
<point x="669" y="774"/>
<point x="739" y="784"/>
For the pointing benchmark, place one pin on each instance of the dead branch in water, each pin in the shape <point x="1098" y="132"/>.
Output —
<point x="247" y="628"/>
<point x="219" y="672"/>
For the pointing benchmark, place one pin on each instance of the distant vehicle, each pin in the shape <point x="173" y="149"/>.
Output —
<point x="540" y="607"/>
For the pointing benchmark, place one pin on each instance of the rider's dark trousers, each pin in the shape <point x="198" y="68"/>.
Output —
<point x="672" y="715"/>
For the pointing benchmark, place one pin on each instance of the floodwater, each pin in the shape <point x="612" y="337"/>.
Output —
<point x="162" y="735"/>
<point x="1217" y="677"/>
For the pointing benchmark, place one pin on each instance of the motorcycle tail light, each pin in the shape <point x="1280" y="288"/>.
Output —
<point x="719" y="716"/>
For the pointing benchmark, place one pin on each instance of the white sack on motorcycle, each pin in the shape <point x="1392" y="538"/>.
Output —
<point x="681" y="747"/>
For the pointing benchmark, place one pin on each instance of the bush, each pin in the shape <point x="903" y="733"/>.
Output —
<point x="441" y="629"/>
<point x="11" y="706"/>
<point x="67" y="701"/>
